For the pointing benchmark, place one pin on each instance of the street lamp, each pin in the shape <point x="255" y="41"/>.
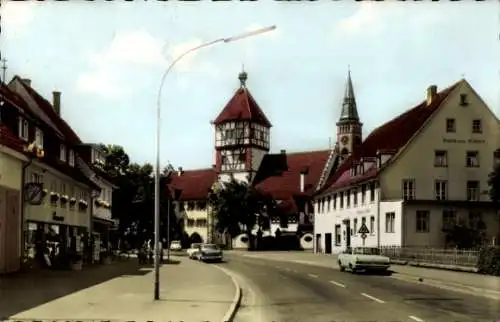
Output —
<point x="157" y="167"/>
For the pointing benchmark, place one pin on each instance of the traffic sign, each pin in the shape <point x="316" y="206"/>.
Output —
<point x="363" y="236"/>
<point x="363" y="230"/>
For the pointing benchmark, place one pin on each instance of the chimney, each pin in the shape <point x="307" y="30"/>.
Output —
<point x="56" y="102"/>
<point x="283" y="151"/>
<point x="26" y="81"/>
<point x="303" y="173"/>
<point x="179" y="171"/>
<point x="431" y="94"/>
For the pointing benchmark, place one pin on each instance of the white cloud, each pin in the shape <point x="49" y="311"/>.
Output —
<point x="137" y="48"/>
<point x="375" y="17"/>
<point x="16" y="15"/>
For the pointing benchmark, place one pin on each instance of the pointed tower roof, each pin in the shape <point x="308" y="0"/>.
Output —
<point x="242" y="106"/>
<point x="349" y="108"/>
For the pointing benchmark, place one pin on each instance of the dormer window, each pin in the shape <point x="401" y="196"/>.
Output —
<point x="62" y="153"/>
<point x="23" y="127"/>
<point x="71" y="158"/>
<point x="39" y="138"/>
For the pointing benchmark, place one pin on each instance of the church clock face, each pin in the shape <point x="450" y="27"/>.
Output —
<point x="344" y="140"/>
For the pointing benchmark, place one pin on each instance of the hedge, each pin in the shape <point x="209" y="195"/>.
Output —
<point x="489" y="261"/>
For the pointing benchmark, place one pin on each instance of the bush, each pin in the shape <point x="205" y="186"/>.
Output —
<point x="489" y="261"/>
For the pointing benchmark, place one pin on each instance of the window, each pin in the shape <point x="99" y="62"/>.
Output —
<point x="335" y="201"/>
<point x="477" y="126"/>
<point x="372" y="224"/>
<point x="23" y="128"/>
<point x="63" y="188"/>
<point x="440" y="159"/>
<point x="201" y="223"/>
<point x="36" y="177"/>
<point x="363" y="193"/>
<point x="441" y="189"/>
<point x="372" y="191"/>
<point x="348" y="198"/>
<point x="355" y="226"/>
<point x="355" y="196"/>
<point x="449" y="218"/>
<point x="450" y="126"/>
<point x="408" y="189"/>
<point x="71" y="158"/>
<point x="337" y="235"/>
<point x="39" y="138"/>
<point x="390" y="218"/>
<point x="62" y="153"/>
<point x="476" y="220"/>
<point x="341" y="200"/>
<point x="473" y="190"/>
<point x="363" y="220"/>
<point x="328" y="201"/>
<point x="190" y="222"/>
<point x="423" y="218"/>
<point x="463" y="100"/>
<point x="472" y="159"/>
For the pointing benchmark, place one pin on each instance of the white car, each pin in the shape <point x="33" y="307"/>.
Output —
<point x="363" y="259"/>
<point x="209" y="253"/>
<point x="175" y="245"/>
<point x="191" y="252"/>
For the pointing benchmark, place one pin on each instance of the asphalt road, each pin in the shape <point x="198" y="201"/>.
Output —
<point x="279" y="291"/>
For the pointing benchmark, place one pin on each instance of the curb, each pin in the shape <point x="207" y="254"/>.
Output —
<point x="235" y="304"/>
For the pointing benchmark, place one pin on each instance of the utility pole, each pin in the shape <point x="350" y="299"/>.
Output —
<point x="4" y="68"/>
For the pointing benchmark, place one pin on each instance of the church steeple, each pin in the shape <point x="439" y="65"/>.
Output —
<point x="349" y="108"/>
<point x="349" y="128"/>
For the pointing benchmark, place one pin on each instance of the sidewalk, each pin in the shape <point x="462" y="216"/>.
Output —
<point x="189" y="291"/>
<point x="452" y="278"/>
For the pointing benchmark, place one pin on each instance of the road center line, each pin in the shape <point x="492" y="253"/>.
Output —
<point x="337" y="283"/>
<point x="372" y="298"/>
<point x="313" y="276"/>
<point x="414" y="318"/>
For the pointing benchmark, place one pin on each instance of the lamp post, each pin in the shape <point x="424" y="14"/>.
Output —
<point x="157" y="166"/>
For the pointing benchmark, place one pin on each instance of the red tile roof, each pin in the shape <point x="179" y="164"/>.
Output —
<point x="48" y="109"/>
<point x="10" y="140"/>
<point x="391" y="136"/>
<point x="194" y="184"/>
<point x="279" y="174"/>
<point x="242" y="106"/>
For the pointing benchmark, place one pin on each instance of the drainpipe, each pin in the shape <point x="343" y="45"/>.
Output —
<point x="23" y="175"/>
<point x="378" y="217"/>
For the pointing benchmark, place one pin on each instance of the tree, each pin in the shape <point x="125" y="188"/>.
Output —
<point x="237" y="206"/>
<point x="494" y="183"/>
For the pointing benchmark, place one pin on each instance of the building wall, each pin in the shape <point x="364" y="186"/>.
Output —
<point x="106" y="195"/>
<point x="55" y="181"/>
<point x="196" y="221"/>
<point x="239" y="176"/>
<point x="434" y="137"/>
<point x="10" y="170"/>
<point x="435" y="236"/>
<point x="391" y="234"/>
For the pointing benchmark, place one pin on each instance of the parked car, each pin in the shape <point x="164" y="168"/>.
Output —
<point x="195" y="247"/>
<point x="209" y="253"/>
<point x="175" y="245"/>
<point x="363" y="259"/>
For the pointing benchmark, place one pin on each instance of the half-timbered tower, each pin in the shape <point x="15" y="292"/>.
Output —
<point x="242" y="136"/>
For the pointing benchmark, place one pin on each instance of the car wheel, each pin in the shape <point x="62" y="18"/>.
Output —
<point x="352" y="269"/>
<point x="342" y="268"/>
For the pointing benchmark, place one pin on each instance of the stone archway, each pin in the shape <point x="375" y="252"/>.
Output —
<point x="195" y="238"/>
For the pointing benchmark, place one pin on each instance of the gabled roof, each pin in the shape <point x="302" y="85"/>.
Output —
<point x="194" y="184"/>
<point x="10" y="140"/>
<point x="279" y="174"/>
<point x="242" y="107"/>
<point x="48" y="109"/>
<point x="393" y="135"/>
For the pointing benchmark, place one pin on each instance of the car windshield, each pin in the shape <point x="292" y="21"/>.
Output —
<point x="195" y="245"/>
<point x="175" y="243"/>
<point x="366" y="251"/>
<point x="210" y="246"/>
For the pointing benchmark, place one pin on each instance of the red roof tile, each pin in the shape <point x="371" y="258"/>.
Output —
<point x="10" y="140"/>
<point x="194" y="184"/>
<point x="279" y="174"/>
<point x="242" y="107"/>
<point x="391" y="136"/>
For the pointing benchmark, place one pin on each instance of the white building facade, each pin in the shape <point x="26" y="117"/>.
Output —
<point x="410" y="194"/>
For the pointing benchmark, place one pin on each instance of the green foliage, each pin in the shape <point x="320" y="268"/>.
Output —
<point x="235" y="206"/>
<point x="494" y="183"/>
<point x="465" y="236"/>
<point x="133" y="201"/>
<point x="489" y="261"/>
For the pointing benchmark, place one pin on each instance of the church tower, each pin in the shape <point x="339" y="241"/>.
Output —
<point x="349" y="128"/>
<point x="242" y="136"/>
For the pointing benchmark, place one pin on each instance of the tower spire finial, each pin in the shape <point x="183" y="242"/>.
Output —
<point x="243" y="76"/>
<point x="349" y="108"/>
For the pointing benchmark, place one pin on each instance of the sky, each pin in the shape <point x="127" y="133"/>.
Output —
<point x="107" y="59"/>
